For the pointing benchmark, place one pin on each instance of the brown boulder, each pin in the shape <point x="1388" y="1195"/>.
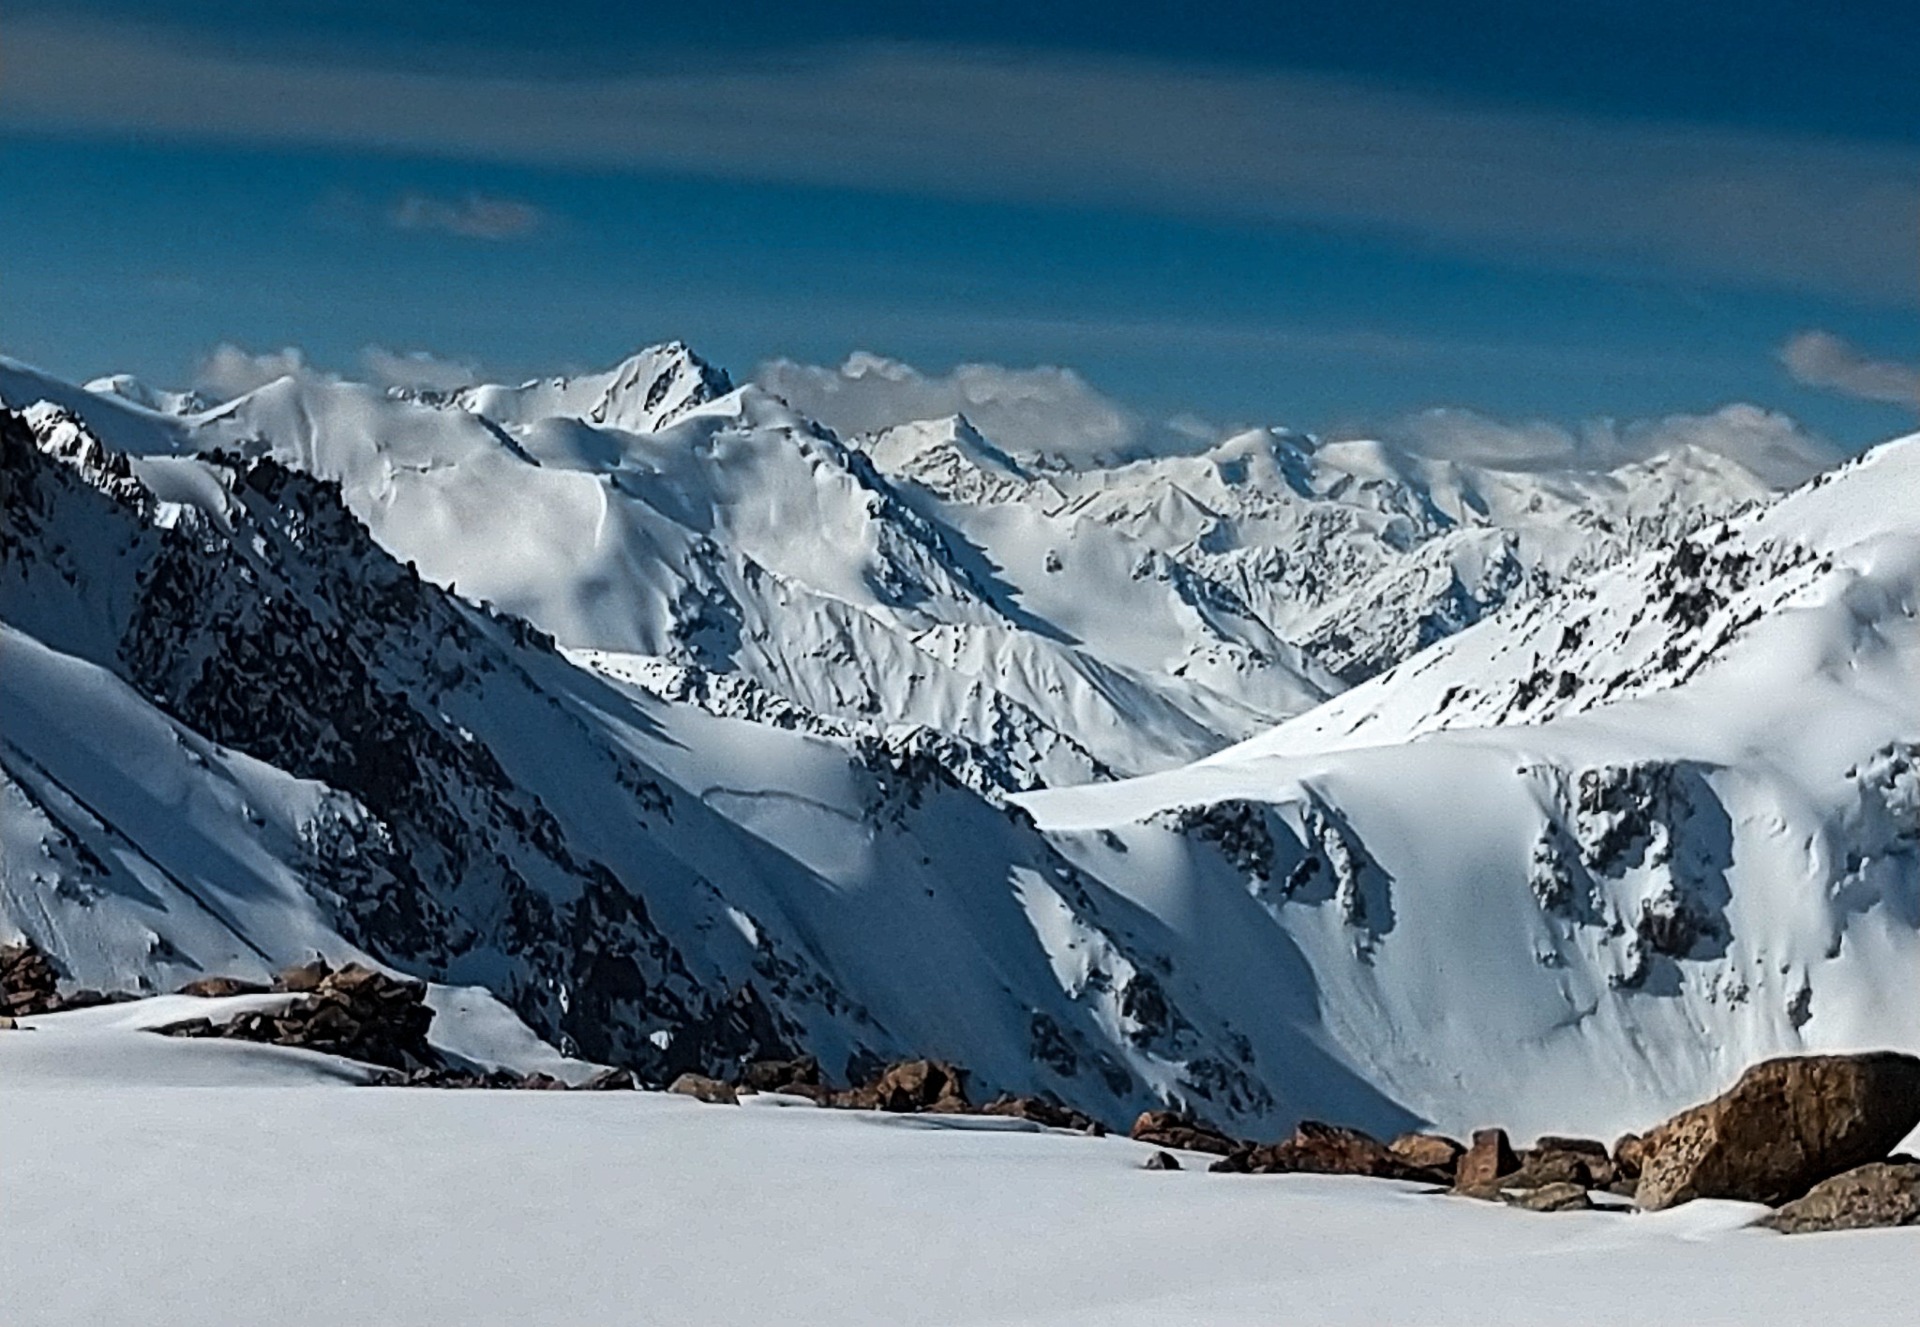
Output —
<point x="213" y="988"/>
<point x="1555" y="1160"/>
<point x="909" y="1087"/>
<point x="1486" y="1159"/>
<point x="1785" y="1126"/>
<point x="781" y="1075"/>
<point x="1171" y="1128"/>
<point x="1548" y="1198"/>
<point x="1044" y="1112"/>
<point x="701" y="1088"/>
<point x="1591" y="1147"/>
<point x="610" y="1080"/>
<point x="1428" y="1151"/>
<point x="1883" y="1193"/>
<point x="302" y="977"/>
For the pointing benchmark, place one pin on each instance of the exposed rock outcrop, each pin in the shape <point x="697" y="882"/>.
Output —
<point x="1042" y="1111"/>
<point x="701" y="1088"/>
<point x="351" y="1011"/>
<point x="1172" y="1129"/>
<point x="28" y="983"/>
<point x="909" y="1087"/>
<point x="1324" y="1149"/>
<point x="1557" y="1197"/>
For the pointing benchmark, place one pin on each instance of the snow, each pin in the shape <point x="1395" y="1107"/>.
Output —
<point x="268" y="1195"/>
<point x="799" y="683"/>
<point x="1430" y="807"/>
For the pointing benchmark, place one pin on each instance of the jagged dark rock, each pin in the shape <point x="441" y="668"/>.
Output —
<point x="801" y="1076"/>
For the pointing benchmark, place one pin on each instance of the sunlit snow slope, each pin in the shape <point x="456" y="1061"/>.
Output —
<point x="690" y="730"/>
<point x="1621" y="842"/>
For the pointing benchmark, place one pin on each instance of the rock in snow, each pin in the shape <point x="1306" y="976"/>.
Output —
<point x="1883" y="1193"/>
<point x="1784" y="1127"/>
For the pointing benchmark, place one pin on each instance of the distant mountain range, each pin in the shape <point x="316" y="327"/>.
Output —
<point x="697" y="733"/>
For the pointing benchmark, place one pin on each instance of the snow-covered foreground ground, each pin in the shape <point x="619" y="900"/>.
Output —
<point x="256" y="1187"/>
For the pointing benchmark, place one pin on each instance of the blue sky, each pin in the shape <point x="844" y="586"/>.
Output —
<point x="1325" y="215"/>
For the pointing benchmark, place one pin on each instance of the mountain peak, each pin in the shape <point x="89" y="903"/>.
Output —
<point x="641" y="394"/>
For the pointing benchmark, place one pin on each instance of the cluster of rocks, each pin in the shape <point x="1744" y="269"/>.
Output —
<point x="351" y="1011"/>
<point x="365" y="1015"/>
<point x="905" y="1087"/>
<point x="30" y="985"/>
<point x="1810" y="1136"/>
<point x="1807" y="1135"/>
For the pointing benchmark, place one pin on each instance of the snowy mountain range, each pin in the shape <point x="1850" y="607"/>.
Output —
<point x="1283" y="777"/>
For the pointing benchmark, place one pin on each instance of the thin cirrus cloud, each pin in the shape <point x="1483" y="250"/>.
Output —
<point x="1821" y="359"/>
<point x="474" y="216"/>
<point x="1815" y="215"/>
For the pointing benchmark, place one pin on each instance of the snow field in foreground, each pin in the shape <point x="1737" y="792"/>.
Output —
<point x="295" y="1203"/>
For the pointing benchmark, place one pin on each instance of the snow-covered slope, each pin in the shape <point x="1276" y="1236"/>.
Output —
<point x="1356" y="551"/>
<point x="652" y="511"/>
<point x="1638" y="834"/>
<point x="724" y="768"/>
<point x="434" y="785"/>
<point x="1057" y="623"/>
<point x="263" y="1193"/>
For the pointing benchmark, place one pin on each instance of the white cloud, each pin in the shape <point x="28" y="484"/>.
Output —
<point x="1810" y="214"/>
<point x="474" y="216"/>
<point x="1054" y="411"/>
<point x="1821" y="359"/>
<point x="1772" y="445"/>
<point x="228" y="371"/>
<point x="417" y="369"/>
<point x="1041" y="409"/>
